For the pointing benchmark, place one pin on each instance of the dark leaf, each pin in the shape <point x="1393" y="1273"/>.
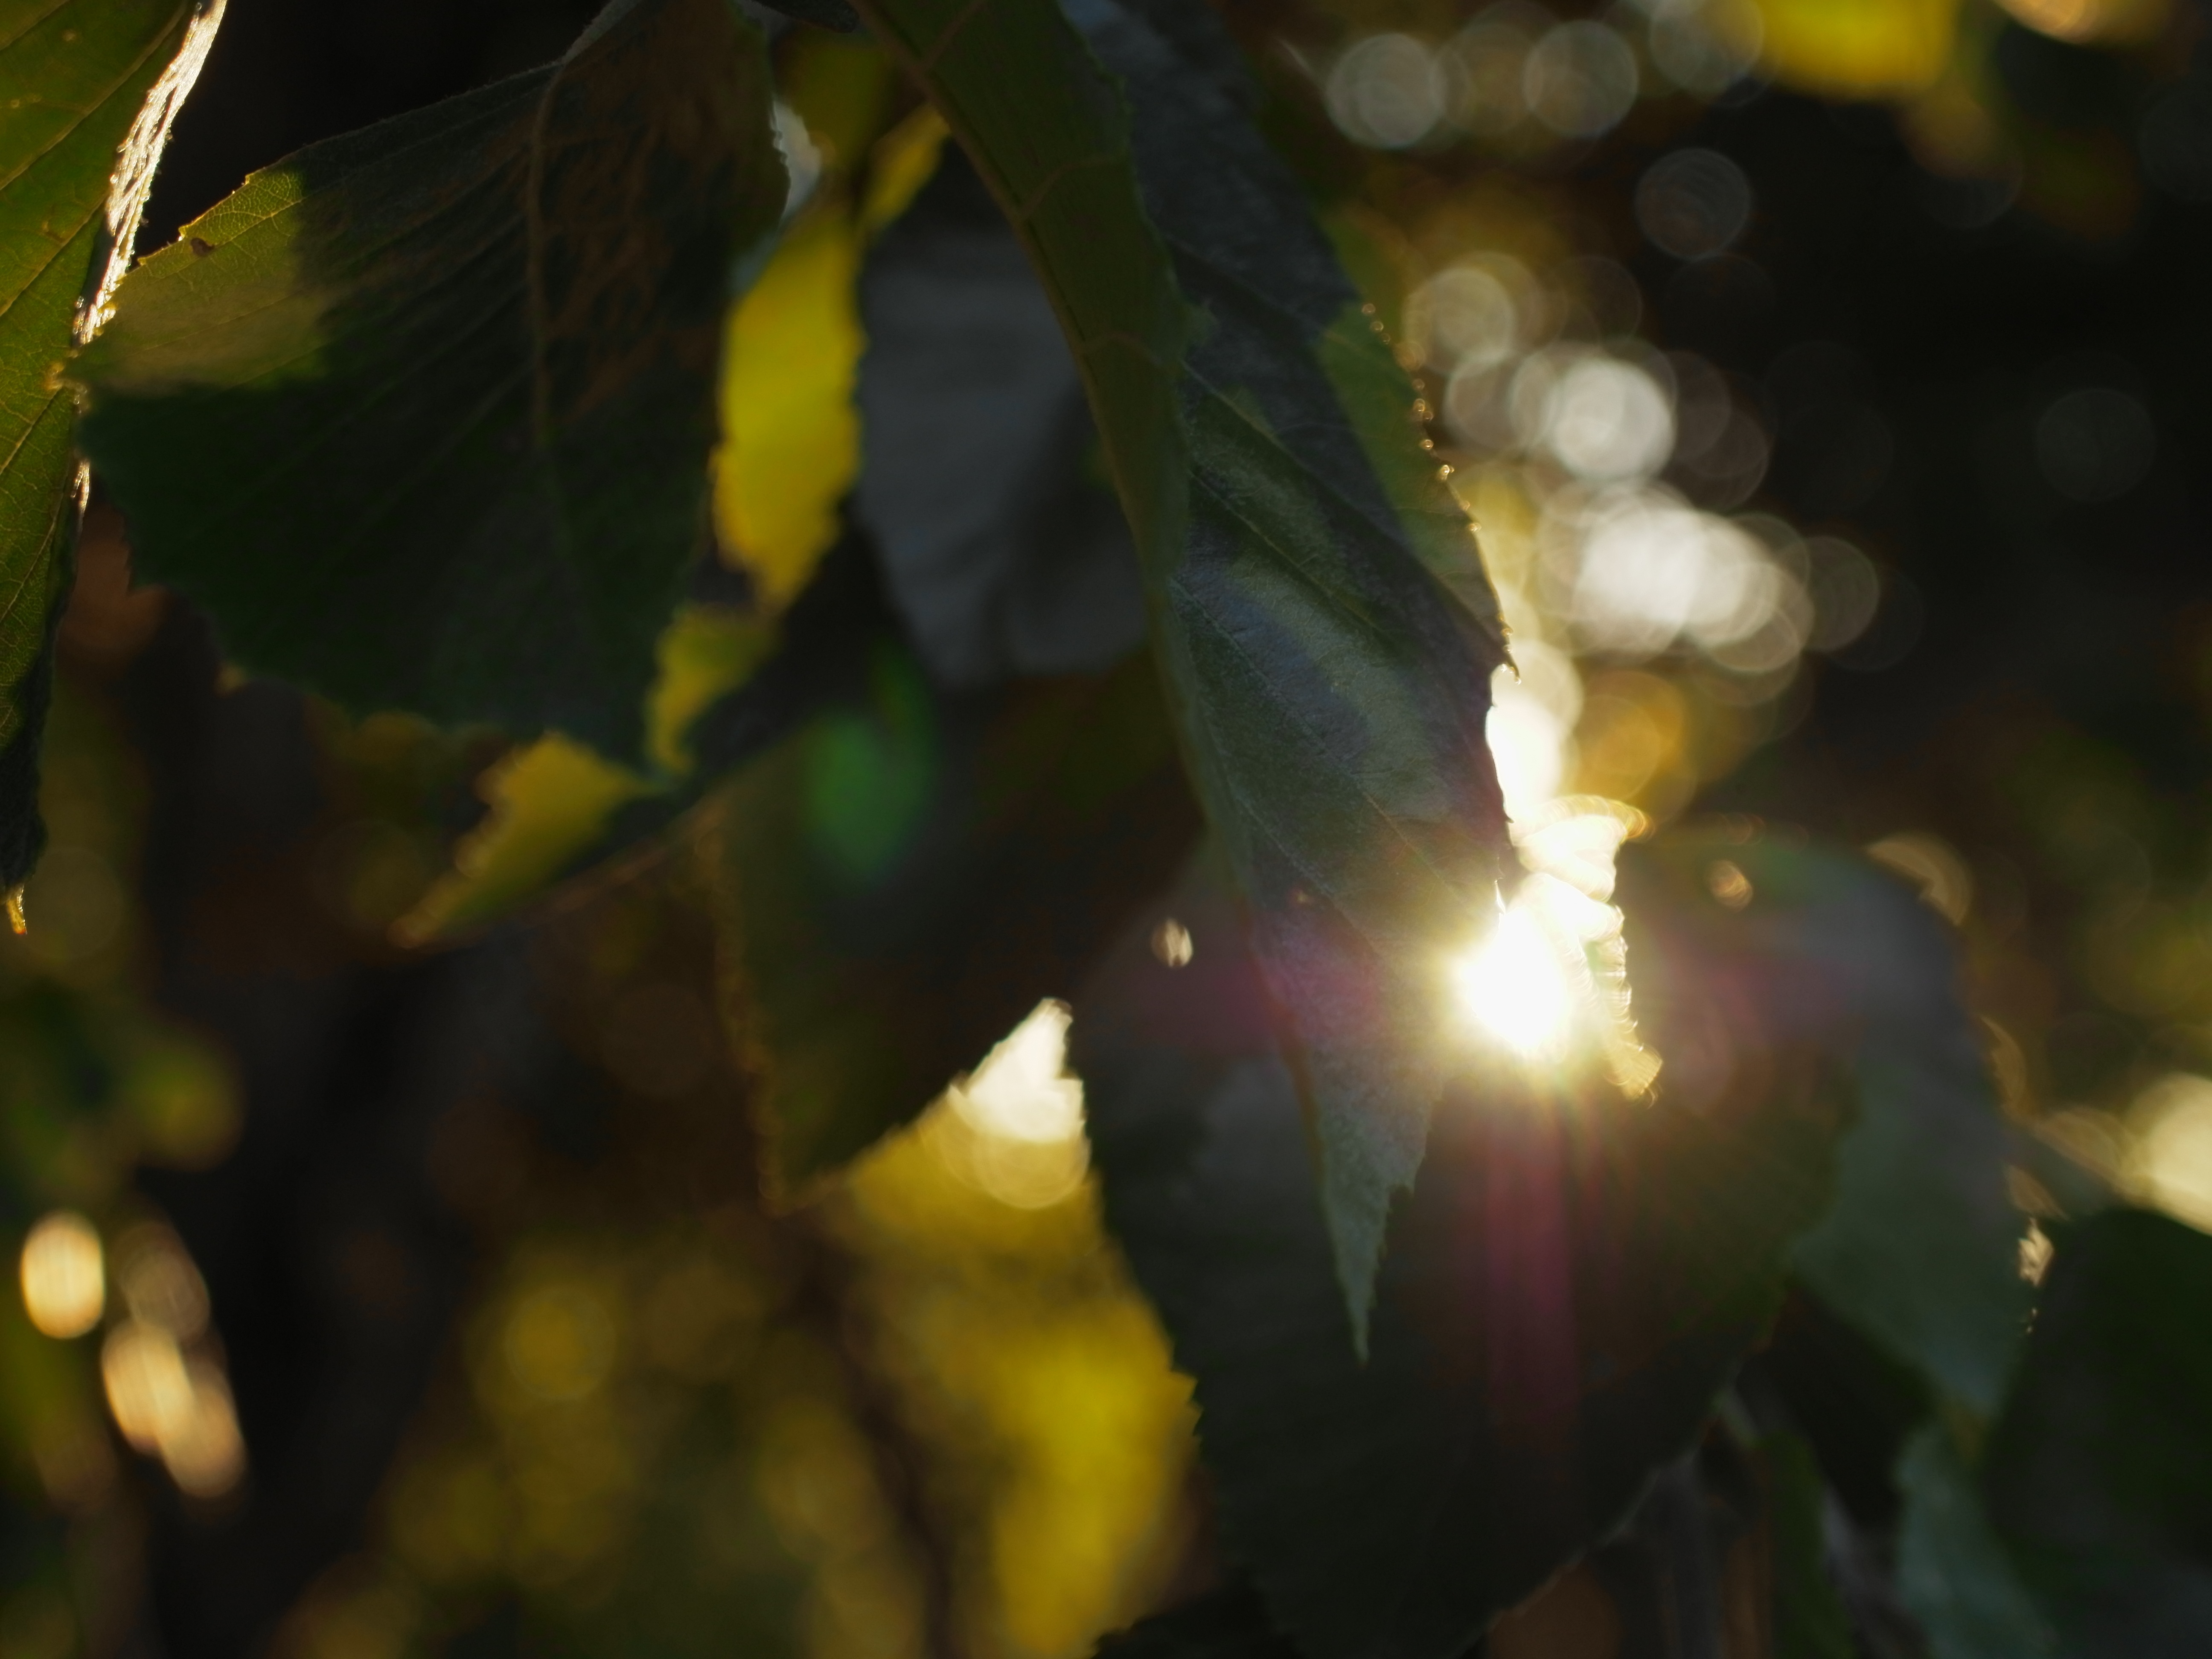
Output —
<point x="1810" y="1622"/>
<point x="1572" y="1282"/>
<point x="92" y="86"/>
<point x="1230" y="1624"/>
<point x="1321" y="611"/>
<point x="421" y="415"/>
<point x="908" y="875"/>
<point x="2099" y="1473"/>
<point x="1003" y="557"/>
<point x="1952" y="1568"/>
<point x="822" y="14"/>
<point x="1920" y="1252"/>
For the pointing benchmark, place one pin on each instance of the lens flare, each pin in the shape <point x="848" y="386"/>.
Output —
<point x="1514" y="985"/>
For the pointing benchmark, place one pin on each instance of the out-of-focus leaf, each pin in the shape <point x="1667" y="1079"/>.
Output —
<point x="2100" y="1473"/>
<point x="1920" y="1251"/>
<point x="421" y="415"/>
<point x="1848" y="48"/>
<point x="911" y="873"/>
<point x="1572" y="1282"/>
<point x="1953" y="1571"/>
<point x="1230" y="1624"/>
<point x="1319" y="606"/>
<point x="92" y="87"/>
<point x="1810" y="1622"/>
<point x="824" y="14"/>
<point x="1002" y="554"/>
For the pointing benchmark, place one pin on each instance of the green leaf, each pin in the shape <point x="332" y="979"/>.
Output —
<point x="92" y="86"/>
<point x="1573" y="1281"/>
<point x="908" y="876"/>
<point x="2099" y="1473"/>
<point x="1920" y="1252"/>
<point x="1810" y="1621"/>
<point x="1952" y="1568"/>
<point x="423" y="415"/>
<point x="822" y="14"/>
<point x="1319" y="607"/>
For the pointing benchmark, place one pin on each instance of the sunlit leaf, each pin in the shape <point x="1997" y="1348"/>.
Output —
<point x="421" y="415"/>
<point x="1572" y="1284"/>
<point x="790" y="434"/>
<point x="2100" y="1473"/>
<point x="791" y="440"/>
<point x="909" y="874"/>
<point x="1320" y="610"/>
<point x="92" y="87"/>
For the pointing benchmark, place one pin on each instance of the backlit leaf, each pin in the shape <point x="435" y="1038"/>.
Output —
<point x="1570" y="1286"/>
<point x="422" y="414"/>
<point x="92" y="87"/>
<point x="1318" y="606"/>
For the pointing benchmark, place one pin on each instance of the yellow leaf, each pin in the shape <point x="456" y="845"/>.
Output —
<point x="551" y="801"/>
<point x="548" y="803"/>
<point x="791" y="438"/>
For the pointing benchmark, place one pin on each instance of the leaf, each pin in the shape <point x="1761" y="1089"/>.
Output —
<point x="2099" y="1473"/>
<point x="1570" y="1286"/>
<point x="1810" y="1622"/>
<point x="421" y="415"/>
<point x="1953" y="1571"/>
<point x="1318" y="606"/>
<point x="1921" y="1249"/>
<point x="554" y="802"/>
<point x="95" y="85"/>
<point x="1919" y="1253"/>
<point x="1229" y="1624"/>
<point x="912" y="871"/>
<point x="822" y="14"/>
<point x="1002" y="557"/>
<point x="791" y="435"/>
<point x="790" y="440"/>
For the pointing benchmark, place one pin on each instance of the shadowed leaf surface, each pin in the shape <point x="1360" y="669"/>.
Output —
<point x="910" y="873"/>
<point x="1230" y="1624"/>
<point x="1319" y="610"/>
<point x="2100" y="1473"/>
<point x="1572" y="1282"/>
<point x="92" y="86"/>
<point x="423" y="414"/>
<point x="1919" y="1253"/>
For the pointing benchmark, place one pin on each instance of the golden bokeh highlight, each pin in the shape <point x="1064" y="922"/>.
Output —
<point x="63" y="1275"/>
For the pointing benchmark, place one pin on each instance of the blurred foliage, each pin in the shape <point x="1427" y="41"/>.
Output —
<point x="1903" y="366"/>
